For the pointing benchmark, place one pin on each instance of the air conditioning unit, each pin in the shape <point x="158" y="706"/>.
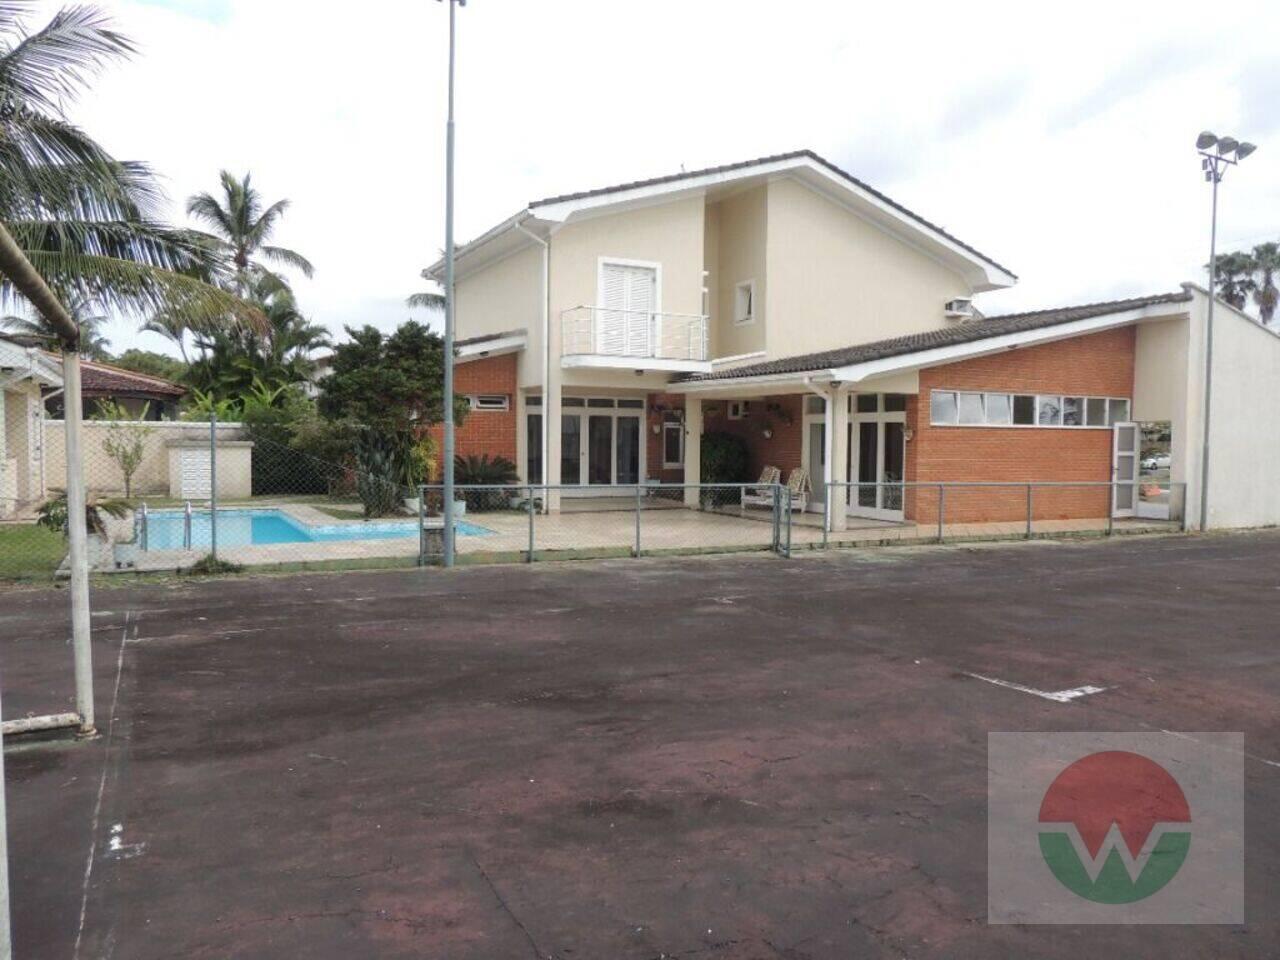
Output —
<point x="959" y="309"/>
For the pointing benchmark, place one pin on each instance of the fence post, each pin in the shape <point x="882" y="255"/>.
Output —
<point x="777" y="521"/>
<point x="1029" y="488"/>
<point x="1111" y="506"/>
<point x="213" y="484"/>
<point x="422" y="525"/>
<point x="826" y="514"/>
<point x="788" y="505"/>
<point x="143" y="533"/>
<point x="186" y="525"/>
<point x="638" y="507"/>
<point x="528" y="557"/>
<point x="942" y="506"/>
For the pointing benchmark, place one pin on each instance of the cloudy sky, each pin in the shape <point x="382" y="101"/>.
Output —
<point x="1059" y="143"/>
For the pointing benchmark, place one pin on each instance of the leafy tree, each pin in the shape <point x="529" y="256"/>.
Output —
<point x="151" y="363"/>
<point x="126" y="441"/>
<point x="395" y="383"/>
<point x="233" y="361"/>
<point x="89" y="223"/>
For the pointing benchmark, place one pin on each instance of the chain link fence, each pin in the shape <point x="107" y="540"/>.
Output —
<point x="166" y="497"/>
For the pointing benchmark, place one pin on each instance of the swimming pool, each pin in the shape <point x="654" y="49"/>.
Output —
<point x="258" y="526"/>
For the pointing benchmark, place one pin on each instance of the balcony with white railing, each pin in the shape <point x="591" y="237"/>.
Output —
<point x="593" y="336"/>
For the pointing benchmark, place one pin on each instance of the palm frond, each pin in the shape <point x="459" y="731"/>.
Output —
<point x="289" y="258"/>
<point x="431" y="301"/>
<point x="59" y="60"/>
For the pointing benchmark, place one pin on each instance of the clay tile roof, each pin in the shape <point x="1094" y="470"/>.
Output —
<point x="103" y="379"/>
<point x="944" y="337"/>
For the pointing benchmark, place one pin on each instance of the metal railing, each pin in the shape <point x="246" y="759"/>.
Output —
<point x="956" y="509"/>
<point x="547" y="521"/>
<point x="606" y="331"/>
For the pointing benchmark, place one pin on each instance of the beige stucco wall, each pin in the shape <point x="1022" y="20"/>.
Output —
<point x="21" y="471"/>
<point x="506" y="295"/>
<point x="740" y="256"/>
<point x="102" y="475"/>
<point x="836" y="280"/>
<point x="1160" y="384"/>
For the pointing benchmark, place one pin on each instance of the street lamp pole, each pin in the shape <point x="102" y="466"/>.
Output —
<point x="448" y="302"/>
<point x="1214" y="164"/>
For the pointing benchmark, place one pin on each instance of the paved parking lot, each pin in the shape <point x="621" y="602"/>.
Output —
<point x="708" y="757"/>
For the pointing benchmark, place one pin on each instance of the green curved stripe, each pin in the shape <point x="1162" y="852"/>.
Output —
<point x="1113" y="884"/>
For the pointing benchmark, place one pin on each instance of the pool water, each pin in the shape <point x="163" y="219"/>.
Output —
<point x="256" y="527"/>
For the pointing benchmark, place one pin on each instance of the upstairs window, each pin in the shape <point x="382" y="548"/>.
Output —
<point x="744" y="303"/>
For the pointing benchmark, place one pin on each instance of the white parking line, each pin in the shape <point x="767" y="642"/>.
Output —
<point x="1057" y="696"/>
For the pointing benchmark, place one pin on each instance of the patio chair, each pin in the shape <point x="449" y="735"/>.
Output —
<point x="762" y="496"/>
<point x="800" y="486"/>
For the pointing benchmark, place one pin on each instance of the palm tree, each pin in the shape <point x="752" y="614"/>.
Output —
<point x="430" y="301"/>
<point x="93" y="345"/>
<point x="242" y="226"/>
<point x="1266" y="264"/>
<point x="90" y="224"/>
<point x="171" y="325"/>
<point x="1235" y="278"/>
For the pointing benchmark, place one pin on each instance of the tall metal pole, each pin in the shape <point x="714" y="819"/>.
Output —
<point x="448" y="305"/>
<point x="1208" y="352"/>
<point x="77" y="540"/>
<point x="6" y="937"/>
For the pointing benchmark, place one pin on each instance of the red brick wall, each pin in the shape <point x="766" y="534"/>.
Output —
<point x="1099" y="364"/>
<point x="783" y="450"/>
<point x="653" y="441"/>
<point x="486" y="431"/>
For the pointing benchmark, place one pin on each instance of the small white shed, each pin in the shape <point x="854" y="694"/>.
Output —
<point x="190" y="469"/>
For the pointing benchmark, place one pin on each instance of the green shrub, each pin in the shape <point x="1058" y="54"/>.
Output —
<point x="724" y="458"/>
<point x="483" y="470"/>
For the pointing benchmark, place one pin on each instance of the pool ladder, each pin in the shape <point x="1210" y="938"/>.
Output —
<point x="144" y="519"/>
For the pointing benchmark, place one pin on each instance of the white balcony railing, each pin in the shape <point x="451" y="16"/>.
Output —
<point x="608" y="332"/>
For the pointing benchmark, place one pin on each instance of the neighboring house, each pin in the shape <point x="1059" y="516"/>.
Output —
<point x="142" y="395"/>
<point x="24" y="373"/>
<point x="788" y="302"/>
<point x="322" y="367"/>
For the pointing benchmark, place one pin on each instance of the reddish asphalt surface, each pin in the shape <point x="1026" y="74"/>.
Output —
<point x="727" y="757"/>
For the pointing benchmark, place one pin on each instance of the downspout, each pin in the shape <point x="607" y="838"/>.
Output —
<point x="546" y="352"/>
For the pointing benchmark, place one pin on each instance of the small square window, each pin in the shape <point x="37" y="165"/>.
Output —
<point x="744" y="303"/>
<point x="895" y="402"/>
<point x="971" y="409"/>
<point x="867" y="402"/>
<point x="1024" y="410"/>
<point x="942" y="407"/>
<point x="1072" y="411"/>
<point x="599" y="403"/>
<point x="1118" y="412"/>
<point x="815" y="405"/>
<point x="1096" y="412"/>
<point x="1049" y="411"/>
<point x="673" y="444"/>
<point x="572" y="402"/>
<point x="533" y="401"/>
<point x="489" y="402"/>
<point x="739" y="409"/>
<point x="999" y="408"/>
<point x="630" y="404"/>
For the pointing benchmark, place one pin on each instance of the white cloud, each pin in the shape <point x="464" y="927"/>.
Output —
<point x="1058" y="143"/>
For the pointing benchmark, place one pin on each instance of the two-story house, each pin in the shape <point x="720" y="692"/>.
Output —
<point x="602" y="333"/>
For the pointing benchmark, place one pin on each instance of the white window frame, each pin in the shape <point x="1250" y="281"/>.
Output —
<point x="656" y="267"/>
<point x="474" y="402"/>
<point x="1036" y="397"/>
<point x="739" y="409"/>
<point x="749" y="318"/>
<point x="678" y="428"/>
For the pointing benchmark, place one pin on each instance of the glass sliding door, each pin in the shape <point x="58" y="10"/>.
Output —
<point x="868" y="463"/>
<point x="571" y="448"/>
<point x="533" y="447"/>
<point x="895" y="452"/>
<point x="600" y="449"/>
<point x="628" y="450"/>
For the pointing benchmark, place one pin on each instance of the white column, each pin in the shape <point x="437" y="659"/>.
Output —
<point x="692" y="449"/>
<point x="838" y="455"/>
<point x="79" y="543"/>
<point x="551" y="417"/>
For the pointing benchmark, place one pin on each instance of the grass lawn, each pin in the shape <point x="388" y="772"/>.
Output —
<point x="28" y="551"/>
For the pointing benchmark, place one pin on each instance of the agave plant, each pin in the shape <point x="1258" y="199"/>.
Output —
<point x="484" y="470"/>
<point x="376" y="472"/>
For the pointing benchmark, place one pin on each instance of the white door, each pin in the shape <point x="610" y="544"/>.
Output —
<point x="1126" y="442"/>
<point x="196" y="474"/>
<point x="877" y="460"/>
<point x="629" y="297"/>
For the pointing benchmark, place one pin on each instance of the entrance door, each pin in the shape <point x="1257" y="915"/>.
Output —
<point x="628" y="447"/>
<point x="571" y="448"/>
<point x="1126" y="443"/>
<point x="879" y="451"/>
<point x="628" y="298"/>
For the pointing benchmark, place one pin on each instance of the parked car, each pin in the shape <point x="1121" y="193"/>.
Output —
<point x="1157" y="461"/>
